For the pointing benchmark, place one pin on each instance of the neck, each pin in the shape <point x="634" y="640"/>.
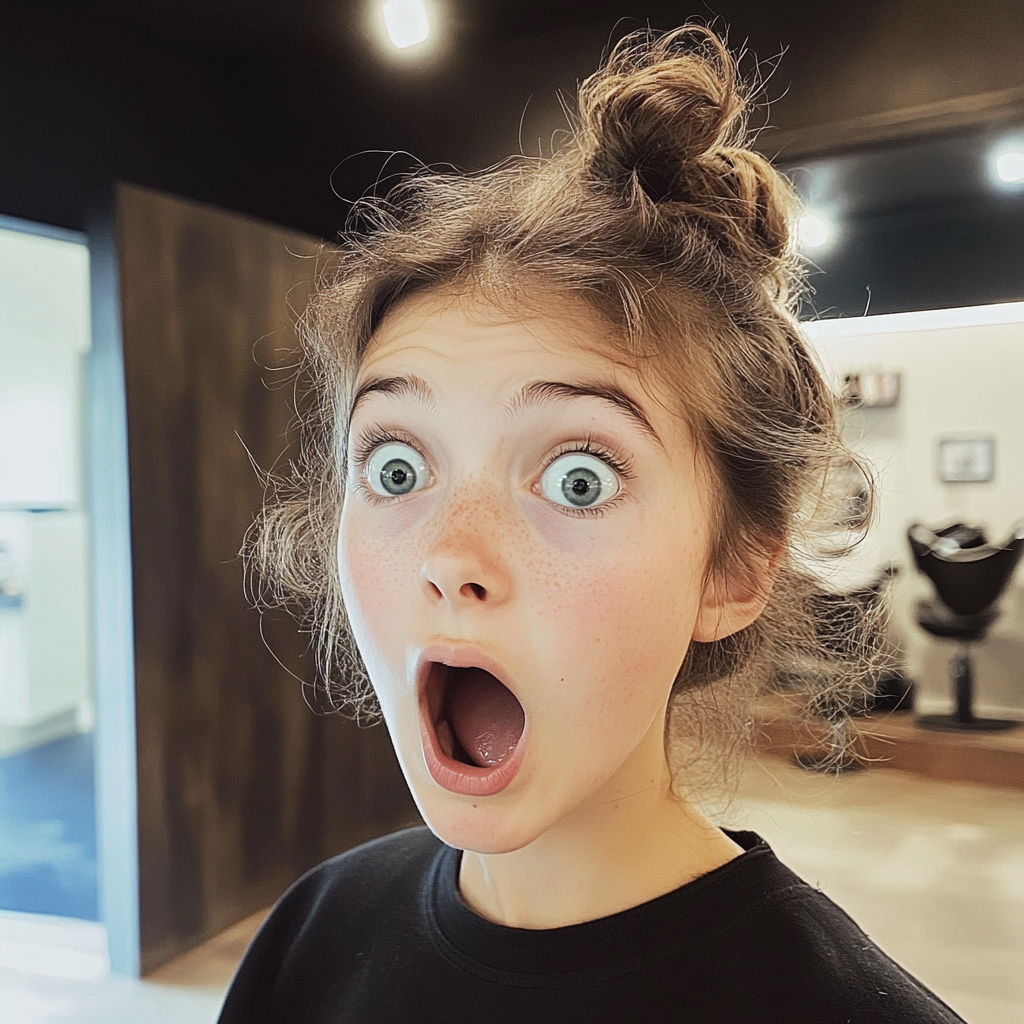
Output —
<point x="634" y="841"/>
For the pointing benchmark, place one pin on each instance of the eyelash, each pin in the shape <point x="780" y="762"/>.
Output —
<point x="623" y="467"/>
<point x="372" y="438"/>
<point x="366" y="443"/>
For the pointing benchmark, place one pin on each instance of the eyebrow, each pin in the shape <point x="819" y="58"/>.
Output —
<point x="532" y="394"/>
<point x="412" y="385"/>
<point x="540" y="391"/>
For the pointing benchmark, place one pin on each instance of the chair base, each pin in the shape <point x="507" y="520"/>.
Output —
<point x="956" y="723"/>
<point x="828" y="765"/>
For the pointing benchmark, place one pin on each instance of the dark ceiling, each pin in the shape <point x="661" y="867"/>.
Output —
<point x="337" y="25"/>
<point x="883" y="109"/>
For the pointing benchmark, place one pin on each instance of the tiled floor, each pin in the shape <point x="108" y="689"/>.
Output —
<point x="933" y="871"/>
<point x="48" y="829"/>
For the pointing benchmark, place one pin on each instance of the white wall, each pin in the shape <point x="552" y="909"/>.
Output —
<point x="44" y="329"/>
<point x="44" y="290"/>
<point x="40" y="416"/>
<point x="963" y="373"/>
<point x="44" y="642"/>
<point x="44" y="332"/>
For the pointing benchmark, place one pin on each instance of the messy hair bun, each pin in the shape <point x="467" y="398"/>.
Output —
<point x="665" y="122"/>
<point x="657" y="214"/>
<point x="656" y="110"/>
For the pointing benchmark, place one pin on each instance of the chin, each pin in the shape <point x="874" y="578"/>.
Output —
<point x="484" y="828"/>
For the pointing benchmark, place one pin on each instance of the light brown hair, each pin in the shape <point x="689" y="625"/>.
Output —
<point x="657" y="213"/>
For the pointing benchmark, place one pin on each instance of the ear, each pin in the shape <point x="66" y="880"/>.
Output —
<point x="732" y="601"/>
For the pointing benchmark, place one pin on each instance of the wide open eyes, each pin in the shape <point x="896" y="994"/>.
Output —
<point x="578" y="480"/>
<point x="395" y="469"/>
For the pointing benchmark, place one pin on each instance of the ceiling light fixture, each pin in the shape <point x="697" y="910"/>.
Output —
<point x="406" y="22"/>
<point x="1010" y="166"/>
<point x="813" y="231"/>
<point x="1006" y="162"/>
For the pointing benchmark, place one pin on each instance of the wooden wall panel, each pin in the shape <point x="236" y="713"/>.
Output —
<point x="240" y="786"/>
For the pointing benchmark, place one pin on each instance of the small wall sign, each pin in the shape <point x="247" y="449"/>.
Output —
<point x="967" y="460"/>
<point x="872" y="389"/>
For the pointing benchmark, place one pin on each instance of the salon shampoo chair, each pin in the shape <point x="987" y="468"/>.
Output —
<point x="969" y="575"/>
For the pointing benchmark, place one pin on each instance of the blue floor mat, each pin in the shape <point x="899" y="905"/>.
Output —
<point x="48" y="830"/>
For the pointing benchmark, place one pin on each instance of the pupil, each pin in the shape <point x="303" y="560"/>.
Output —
<point x="398" y="477"/>
<point x="581" y="487"/>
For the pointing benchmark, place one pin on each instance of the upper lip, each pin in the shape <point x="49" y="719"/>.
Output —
<point x="459" y="655"/>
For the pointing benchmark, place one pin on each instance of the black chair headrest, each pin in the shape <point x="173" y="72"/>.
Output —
<point x="965" y="536"/>
<point x="967" y="580"/>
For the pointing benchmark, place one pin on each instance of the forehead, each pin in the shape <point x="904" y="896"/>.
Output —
<point x="467" y="336"/>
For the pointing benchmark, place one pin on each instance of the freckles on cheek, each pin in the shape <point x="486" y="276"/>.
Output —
<point x="618" y="604"/>
<point x="585" y="594"/>
<point x="619" y="569"/>
<point x="377" y="568"/>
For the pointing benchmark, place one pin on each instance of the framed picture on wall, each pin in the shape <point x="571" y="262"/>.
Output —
<point x="967" y="460"/>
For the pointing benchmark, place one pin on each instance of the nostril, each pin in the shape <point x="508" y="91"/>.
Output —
<point x="478" y="591"/>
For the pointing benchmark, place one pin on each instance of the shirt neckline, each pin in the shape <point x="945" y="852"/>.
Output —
<point x="620" y="942"/>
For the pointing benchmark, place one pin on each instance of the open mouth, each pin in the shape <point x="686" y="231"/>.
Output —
<point x="474" y="728"/>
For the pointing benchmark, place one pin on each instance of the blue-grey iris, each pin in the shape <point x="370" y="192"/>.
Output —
<point x="581" y="486"/>
<point x="398" y="477"/>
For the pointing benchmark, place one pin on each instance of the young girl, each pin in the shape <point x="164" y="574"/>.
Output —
<point x="568" y="437"/>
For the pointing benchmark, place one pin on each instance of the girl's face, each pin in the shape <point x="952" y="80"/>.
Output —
<point x="522" y="549"/>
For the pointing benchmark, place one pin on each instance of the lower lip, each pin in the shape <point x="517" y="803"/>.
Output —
<point x="466" y="779"/>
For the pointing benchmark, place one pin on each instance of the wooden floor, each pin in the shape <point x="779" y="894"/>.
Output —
<point x="894" y="740"/>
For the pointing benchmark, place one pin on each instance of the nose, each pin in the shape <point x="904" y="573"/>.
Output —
<point x="464" y="566"/>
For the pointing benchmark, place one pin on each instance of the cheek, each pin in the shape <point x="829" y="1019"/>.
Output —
<point x="616" y="602"/>
<point x="617" y="572"/>
<point x="376" y="566"/>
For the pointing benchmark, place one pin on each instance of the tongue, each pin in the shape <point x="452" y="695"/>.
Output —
<point x="485" y="716"/>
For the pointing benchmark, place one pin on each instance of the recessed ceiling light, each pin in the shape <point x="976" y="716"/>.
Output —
<point x="406" y="22"/>
<point x="1006" y="162"/>
<point x="813" y="231"/>
<point x="1010" y="166"/>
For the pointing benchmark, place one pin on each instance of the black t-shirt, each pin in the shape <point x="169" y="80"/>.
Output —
<point x="382" y="934"/>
